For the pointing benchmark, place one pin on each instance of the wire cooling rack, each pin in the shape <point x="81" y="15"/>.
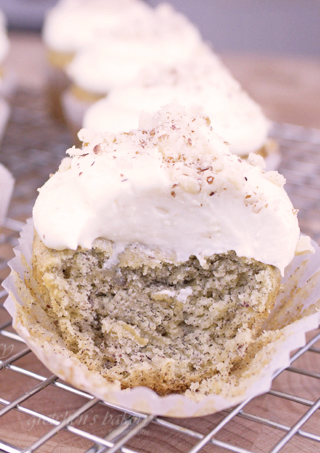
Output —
<point x="39" y="412"/>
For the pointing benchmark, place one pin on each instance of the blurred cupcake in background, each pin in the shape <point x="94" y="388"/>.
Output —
<point x="4" y="116"/>
<point x="72" y="25"/>
<point x="7" y="82"/>
<point x="204" y="86"/>
<point x="6" y="189"/>
<point x="158" y="36"/>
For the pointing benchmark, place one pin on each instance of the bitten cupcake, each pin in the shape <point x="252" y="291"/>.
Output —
<point x="204" y="86"/>
<point x="72" y="25"/>
<point x="158" y="254"/>
<point x="159" y="35"/>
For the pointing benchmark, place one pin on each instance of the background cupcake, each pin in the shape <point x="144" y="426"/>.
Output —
<point x="204" y="86"/>
<point x="7" y="82"/>
<point x="159" y="35"/>
<point x="6" y="188"/>
<point x="72" y="25"/>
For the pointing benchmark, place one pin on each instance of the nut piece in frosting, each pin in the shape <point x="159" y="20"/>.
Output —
<point x="158" y="253"/>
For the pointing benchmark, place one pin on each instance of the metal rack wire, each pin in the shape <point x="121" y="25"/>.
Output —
<point x="92" y="426"/>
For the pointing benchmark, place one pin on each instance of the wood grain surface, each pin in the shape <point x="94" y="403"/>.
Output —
<point x="289" y="91"/>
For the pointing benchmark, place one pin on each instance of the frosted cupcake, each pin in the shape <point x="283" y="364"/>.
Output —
<point x="158" y="255"/>
<point x="72" y="25"/>
<point x="157" y="36"/>
<point x="203" y="86"/>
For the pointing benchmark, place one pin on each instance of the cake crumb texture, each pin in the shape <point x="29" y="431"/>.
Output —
<point x="140" y="317"/>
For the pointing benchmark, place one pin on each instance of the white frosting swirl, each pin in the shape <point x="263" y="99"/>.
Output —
<point x="171" y="184"/>
<point x="161" y="35"/>
<point x="203" y="86"/>
<point x="74" y="24"/>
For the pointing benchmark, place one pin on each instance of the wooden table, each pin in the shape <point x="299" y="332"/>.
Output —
<point x="289" y="92"/>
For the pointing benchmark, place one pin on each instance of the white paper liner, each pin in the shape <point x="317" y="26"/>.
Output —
<point x="273" y="157"/>
<point x="56" y="83"/>
<point x="296" y="312"/>
<point x="8" y="82"/>
<point x="74" y="110"/>
<point x="6" y="185"/>
<point x="4" y="117"/>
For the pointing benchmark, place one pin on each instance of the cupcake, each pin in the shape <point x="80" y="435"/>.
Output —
<point x="72" y="25"/>
<point x="4" y="116"/>
<point x="204" y="86"/>
<point x="159" y="35"/>
<point x="6" y="188"/>
<point x="158" y="255"/>
<point x="6" y="77"/>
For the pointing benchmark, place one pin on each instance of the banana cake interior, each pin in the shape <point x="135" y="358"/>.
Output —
<point x="142" y="318"/>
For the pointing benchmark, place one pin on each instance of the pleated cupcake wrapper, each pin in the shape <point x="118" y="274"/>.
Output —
<point x="296" y="312"/>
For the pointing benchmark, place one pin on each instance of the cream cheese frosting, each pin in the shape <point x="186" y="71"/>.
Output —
<point x="74" y="24"/>
<point x="203" y="85"/>
<point x="4" y="40"/>
<point x="172" y="184"/>
<point x="114" y="59"/>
